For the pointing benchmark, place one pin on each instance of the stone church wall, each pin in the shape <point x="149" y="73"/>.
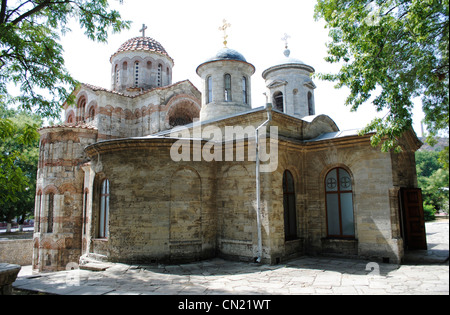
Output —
<point x="373" y="210"/>
<point x="59" y="201"/>
<point x="164" y="211"/>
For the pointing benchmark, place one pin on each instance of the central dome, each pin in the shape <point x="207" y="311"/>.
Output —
<point x="142" y="44"/>
<point x="227" y="54"/>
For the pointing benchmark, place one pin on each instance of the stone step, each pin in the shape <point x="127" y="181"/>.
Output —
<point x="95" y="266"/>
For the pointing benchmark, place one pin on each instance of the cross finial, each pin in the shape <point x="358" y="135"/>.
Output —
<point x="143" y="30"/>
<point x="285" y="39"/>
<point x="224" y="28"/>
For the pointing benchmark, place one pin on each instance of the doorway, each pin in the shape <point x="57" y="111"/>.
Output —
<point x="412" y="219"/>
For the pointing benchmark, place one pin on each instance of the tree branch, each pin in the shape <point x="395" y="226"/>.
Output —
<point x="3" y="11"/>
<point x="36" y="9"/>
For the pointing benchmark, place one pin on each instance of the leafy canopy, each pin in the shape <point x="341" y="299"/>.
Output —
<point x="31" y="56"/>
<point x="391" y="52"/>
<point x="31" y="59"/>
<point x="19" y="154"/>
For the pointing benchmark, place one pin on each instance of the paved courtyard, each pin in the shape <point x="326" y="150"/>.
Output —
<point x="426" y="272"/>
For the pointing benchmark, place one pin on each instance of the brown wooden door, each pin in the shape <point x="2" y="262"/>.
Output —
<point x="413" y="218"/>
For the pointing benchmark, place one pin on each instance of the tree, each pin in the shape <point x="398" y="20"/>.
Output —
<point x="433" y="179"/>
<point x="391" y="52"/>
<point x="31" y="56"/>
<point x="19" y="154"/>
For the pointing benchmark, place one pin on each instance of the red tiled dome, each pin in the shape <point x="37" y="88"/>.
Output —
<point x="142" y="44"/>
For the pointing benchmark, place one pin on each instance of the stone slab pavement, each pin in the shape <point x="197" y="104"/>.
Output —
<point x="425" y="272"/>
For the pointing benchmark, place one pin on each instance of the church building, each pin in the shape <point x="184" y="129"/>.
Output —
<point x="151" y="171"/>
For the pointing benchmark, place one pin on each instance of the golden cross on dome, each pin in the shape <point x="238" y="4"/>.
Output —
<point x="224" y="28"/>
<point x="143" y="30"/>
<point x="285" y="39"/>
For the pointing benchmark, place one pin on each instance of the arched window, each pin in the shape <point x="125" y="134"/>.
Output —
<point x="103" y="230"/>
<point x="51" y="198"/>
<point x="71" y="118"/>
<point x="245" y="90"/>
<point x="209" y="88"/>
<point x="38" y="211"/>
<point x="85" y="201"/>
<point x="81" y="109"/>
<point x="91" y="113"/>
<point x="159" y="75"/>
<point x="116" y="77"/>
<point x="310" y="104"/>
<point x="227" y="84"/>
<point x="278" y="101"/>
<point x="290" y="212"/>
<point x="136" y="74"/>
<point x="339" y="203"/>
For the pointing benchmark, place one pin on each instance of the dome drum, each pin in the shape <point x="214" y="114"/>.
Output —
<point x="140" y="64"/>
<point x="226" y="84"/>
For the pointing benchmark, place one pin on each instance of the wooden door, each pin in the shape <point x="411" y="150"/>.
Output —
<point x="414" y="234"/>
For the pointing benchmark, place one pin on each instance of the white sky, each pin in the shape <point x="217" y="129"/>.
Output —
<point x="189" y="31"/>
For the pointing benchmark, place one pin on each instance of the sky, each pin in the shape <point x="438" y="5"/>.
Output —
<point x="189" y="31"/>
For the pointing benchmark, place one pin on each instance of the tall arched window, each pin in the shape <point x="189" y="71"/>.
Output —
<point x="278" y="101"/>
<point x="50" y="213"/>
<point x="136" y="74"/>
<point x="290" y="211"/>
<point x="245" y="90"/>
<point x="209" y="88"/>
<point x="227" y="90"/>
<point x="81" y="108"/>
<point x="310" y="104"/>
<point x="103" y="230"/>
<point x="339" y="203"/>
<point x="116" y="77"/>
<point x="38" y="211"/>
<point x="159" y="75"/>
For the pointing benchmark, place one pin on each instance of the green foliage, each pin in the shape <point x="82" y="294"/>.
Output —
<point x="19" y="155"/>
<point x="391" y="51"/>
<point x="31" y="56"/>
<point x="429" y="212"/>
<point x="433" y="179"/>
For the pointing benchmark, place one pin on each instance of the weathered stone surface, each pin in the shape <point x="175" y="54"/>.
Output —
<point x="8" y="274"/>
<point x="201" y="205"/>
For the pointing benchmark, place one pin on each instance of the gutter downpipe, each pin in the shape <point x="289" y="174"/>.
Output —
<point x="258" y="183"/>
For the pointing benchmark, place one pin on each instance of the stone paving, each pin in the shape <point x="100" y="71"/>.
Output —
<point x="426" y="273"/>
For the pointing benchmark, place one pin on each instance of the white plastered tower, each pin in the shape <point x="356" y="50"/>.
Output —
<point x="289" y="86"/>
